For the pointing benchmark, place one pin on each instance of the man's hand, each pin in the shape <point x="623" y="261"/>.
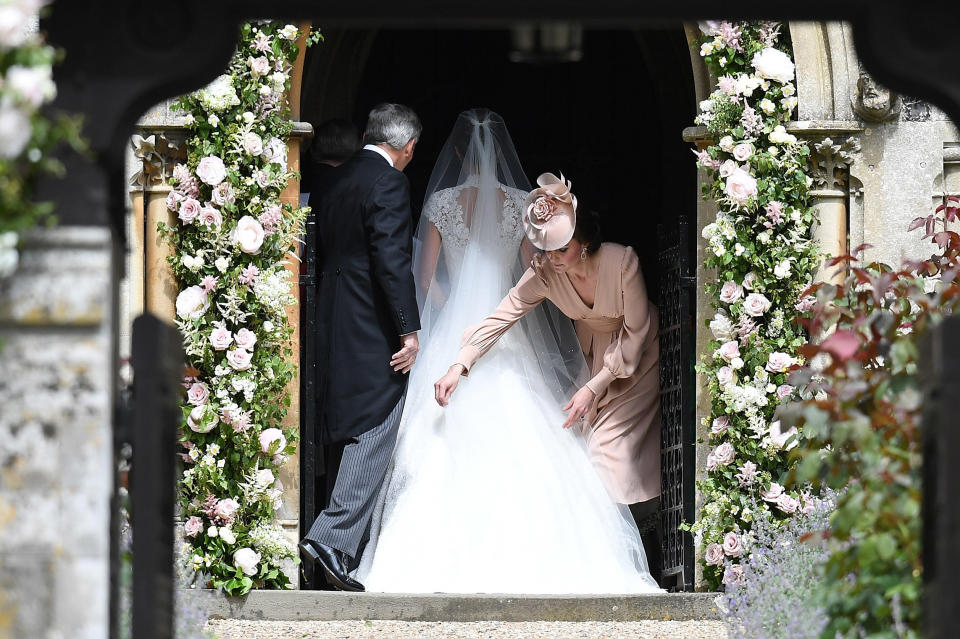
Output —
<point x="404" y="358"/>
<point x="579" y="405"/>
<point x="444" y="387"/>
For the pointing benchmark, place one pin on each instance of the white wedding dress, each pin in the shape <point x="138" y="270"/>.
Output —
<point x="490" y="494"/>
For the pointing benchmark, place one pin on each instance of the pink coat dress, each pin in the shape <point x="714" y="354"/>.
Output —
<point x="619" y="337"/>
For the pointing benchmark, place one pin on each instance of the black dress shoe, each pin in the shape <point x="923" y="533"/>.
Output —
<point x="332" y="562"/>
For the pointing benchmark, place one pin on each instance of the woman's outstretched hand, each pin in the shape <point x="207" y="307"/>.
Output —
<point x="444" y="387"/>
<point x="579" y="405"/>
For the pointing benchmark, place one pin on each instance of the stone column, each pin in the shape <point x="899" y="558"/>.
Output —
<point x="830" y="164"/>
<point x="55" y="435"/>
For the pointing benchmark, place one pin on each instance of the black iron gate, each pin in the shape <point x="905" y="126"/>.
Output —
<point x="677" y="399"/>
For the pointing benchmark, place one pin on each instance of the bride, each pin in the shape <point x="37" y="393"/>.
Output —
<point x="490" y="494"/>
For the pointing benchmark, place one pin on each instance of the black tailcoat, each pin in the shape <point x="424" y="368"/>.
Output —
<point x="367" y="298"/>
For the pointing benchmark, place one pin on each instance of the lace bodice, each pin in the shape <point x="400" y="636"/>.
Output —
<point x="445" y="210"/>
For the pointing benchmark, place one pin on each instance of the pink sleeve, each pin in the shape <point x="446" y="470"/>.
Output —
<point x="522" y="298"/>
<point x="623" y="356"/>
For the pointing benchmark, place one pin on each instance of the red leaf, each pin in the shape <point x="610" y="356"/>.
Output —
<point x="861" y="248"/>
<point x="917" y="223"/>
<point x="842" y="344"/>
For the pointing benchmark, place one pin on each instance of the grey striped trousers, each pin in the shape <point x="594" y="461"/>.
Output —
<point x="345" y="523"/>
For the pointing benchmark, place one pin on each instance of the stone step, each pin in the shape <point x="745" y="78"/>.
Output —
<point x="315" y="605"/>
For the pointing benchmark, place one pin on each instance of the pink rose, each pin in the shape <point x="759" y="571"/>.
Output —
<point x="732" y="546"/>
<point x="742" y="151"/>
<point x="248" y="234"/>
<point x="733" y="574"/>
<point x="262" y="178"/>
<point x="784" y="391"/>
<point x="729" y="351"/>
<point x="197" y="421"/>
<point x="198" y="394"/>
<point x="226" y="509"/>
<point x="806" y="303"/>
<point x="181" y="174"/>
<point x="189" y="210"/>
<point x="210" y="216"/>
<point x="220" y="338"/>
<point x="275" y="151"/>
<point x="778" y="362"/>
<point x="756" y="304"/>
<point x="727" y="168"/>
<point x="724" y="454"/>
<point x="223" y="194"/>
<point x="788" y="504"/>
<point x="725" y="375"/>
<point x="773" y="493"/>
<point x="211" y="170"/>
<point x="193" y="526"/>
<point x="239" y="359"/>
<point x="245" y="339"/>
<point x="714" y="555"/>
<point x="173" y="200"/>
<point x="740" y="187"/>
<point x="730" y="292"/>
<point x="720" y="425"/>
<point x="259" y="67"/>
<point x="270" y="436"/>
<point x="809" y="504"/>
<point x="252" y="144"/>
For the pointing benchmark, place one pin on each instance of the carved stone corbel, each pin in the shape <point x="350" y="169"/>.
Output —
<point x="158" y="154"/>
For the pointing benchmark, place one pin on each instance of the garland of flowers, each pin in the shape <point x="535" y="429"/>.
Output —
<point x="26" y="133"/>
<point x="231" y="247"/>
<point x="764" y="258"/>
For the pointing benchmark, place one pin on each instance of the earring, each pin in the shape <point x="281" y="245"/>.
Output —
<point x="583" y="253"/>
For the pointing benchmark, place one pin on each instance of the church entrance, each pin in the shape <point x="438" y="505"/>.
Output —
<point x="604" y="107"/>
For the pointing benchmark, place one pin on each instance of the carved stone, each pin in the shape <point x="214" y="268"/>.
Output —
<point x="158" y="153"/>
<point x="873" y="102"/>
<point x="830" y="162"/>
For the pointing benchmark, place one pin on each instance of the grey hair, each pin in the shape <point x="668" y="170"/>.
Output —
<point x="392" y="124"/>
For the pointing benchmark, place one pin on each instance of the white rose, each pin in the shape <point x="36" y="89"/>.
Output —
<point x="729" y="350"/>
<point x="709" y="231"/>
<point x="275" y="151"/>
<point x="265" y="477"/>
<point x="246" y="560"/>
<point x="782" y="270"/>
<point x="721" y="327"/>
<point x="289" y="32"/>
<point x="743" y="151"/>
<point x="195" y="421"/>
<point x="750" y="280"/>
<point x="245" y="338"/>
<point x="779" y="437"/>
<point x="773" y="493"/>
<point x="220" y="338"/>
<point x="248" y="117"/>
<point x="259" y="67"/>
<point x="211" y="170"/>
<point x="788" y="504"/>
<point x="778" y="362"/>
<point x="15" y="21"/>
<point x="756" y="304"/>
<point x="249" y="234"/>
<point x="222" y="264"/>
<point x="779" y="135"/>
<point x="269" y="436"/>
<point x="740" y="187"/>
<point x="727" y="168"/>
<point x="212" y="531"/>
<point x="736" y="363"/>
<point x="15" y="129"/>
<point x="226" y="534"/>
<point x="765" y="236"/>
<point x="239" y="359"/>
<point x="268" y="326"/>
<point x="709" y="27"/>
<point x="192" y="302"/>
<point x="726" y="144"/>
<point x="725" y="375"/>
<point x="773" y="64"/>
<point x="252" y="144"/>
<point x="730" y="292"/>
<point x="34" y="84"/>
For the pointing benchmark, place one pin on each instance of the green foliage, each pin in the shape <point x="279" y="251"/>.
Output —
<point x="863" y="424"/>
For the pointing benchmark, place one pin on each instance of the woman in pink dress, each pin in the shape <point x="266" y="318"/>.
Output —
<point x="598" y="285"/>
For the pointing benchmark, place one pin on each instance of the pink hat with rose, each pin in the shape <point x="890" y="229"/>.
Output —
<point x="550" y="213"/>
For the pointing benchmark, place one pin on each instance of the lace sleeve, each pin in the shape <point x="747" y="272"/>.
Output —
<point x="511" y="227"/>
<point x="443" y="209"/>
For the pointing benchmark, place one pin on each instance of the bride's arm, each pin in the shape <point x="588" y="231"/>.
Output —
<point x="427" y="264"/>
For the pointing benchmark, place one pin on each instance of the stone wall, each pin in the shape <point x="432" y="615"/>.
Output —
<point x="55" y="438"/>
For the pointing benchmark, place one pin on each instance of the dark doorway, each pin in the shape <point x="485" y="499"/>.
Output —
<point x="610" y="120"/>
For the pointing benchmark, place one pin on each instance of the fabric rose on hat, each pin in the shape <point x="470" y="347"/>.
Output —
<point x="550" y="211"/>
